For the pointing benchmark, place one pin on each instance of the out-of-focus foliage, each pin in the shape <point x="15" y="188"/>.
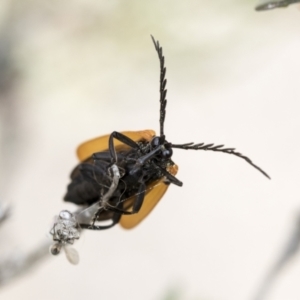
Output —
<point x="267" y="4"/>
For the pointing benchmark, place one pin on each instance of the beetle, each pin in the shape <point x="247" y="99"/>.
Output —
<point x="144" y="165"/>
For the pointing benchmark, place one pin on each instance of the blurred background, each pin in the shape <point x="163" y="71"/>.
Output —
<point x="75" y="70"/>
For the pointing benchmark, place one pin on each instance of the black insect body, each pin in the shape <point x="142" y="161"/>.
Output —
<point x="141" y="167"/>
<point x="144" y="166"/>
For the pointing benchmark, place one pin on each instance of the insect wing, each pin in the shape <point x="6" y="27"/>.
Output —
<point x="155" y="192"/>
<point x="87" y="149"/>
<point x="72" y="255"/>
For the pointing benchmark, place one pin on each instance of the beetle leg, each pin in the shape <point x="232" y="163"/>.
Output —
<point x="139" y="198"/>
<point x="137" y="204"/>
<point x="170" y="177"/>
<point x="122" y="138"/>
<point x="115" y="220"/>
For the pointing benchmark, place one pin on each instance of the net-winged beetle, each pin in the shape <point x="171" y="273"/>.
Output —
<point x="144" y="166"/>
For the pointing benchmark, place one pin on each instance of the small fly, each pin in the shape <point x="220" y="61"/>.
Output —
<point x="65" y="231"/>
<point x="123" y="175"/>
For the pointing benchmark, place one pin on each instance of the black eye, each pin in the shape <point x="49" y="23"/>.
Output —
<point x="155" y="142"/>
<point x="167" y="153"/>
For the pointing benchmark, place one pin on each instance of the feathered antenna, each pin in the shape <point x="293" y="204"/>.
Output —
<point x="219" y="148"/>
<point x="189" y="146"/>
<point x="162" y="86"/>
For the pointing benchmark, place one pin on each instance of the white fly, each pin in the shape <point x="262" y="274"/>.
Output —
<point x="65" y="231"/>
<point x="66" y="227"/>
<point x="72" y="255"/>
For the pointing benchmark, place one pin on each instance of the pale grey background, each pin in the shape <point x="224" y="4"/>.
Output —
<point x="80" y="69"/>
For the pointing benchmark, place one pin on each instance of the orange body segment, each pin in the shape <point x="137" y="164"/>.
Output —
<point x="154" y="193"/>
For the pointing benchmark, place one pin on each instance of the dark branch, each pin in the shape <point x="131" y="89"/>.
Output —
<point x="219" y="148"/>
<point x="267" y="5"/>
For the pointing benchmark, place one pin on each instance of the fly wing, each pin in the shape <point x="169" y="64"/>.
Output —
<point x="87" y="149"/>
<point x="72" y="255"/>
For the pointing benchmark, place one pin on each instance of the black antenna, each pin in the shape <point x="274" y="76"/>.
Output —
<point x="189" y="146"/>
<point x="219" y="148"/>
<point x="162" y="86"/>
